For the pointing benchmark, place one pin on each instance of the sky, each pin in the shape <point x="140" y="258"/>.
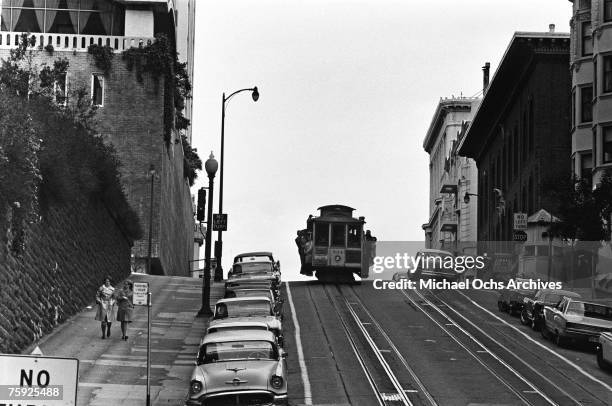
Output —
<point x="348" y="89"/>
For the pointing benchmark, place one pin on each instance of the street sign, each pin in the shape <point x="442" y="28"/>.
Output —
<point x="38" y="381"/>
<point x="520" y="221"/>
<point x="519" y="235"/>
<point x="220" y="222"/>
<point x="141" y="290"/>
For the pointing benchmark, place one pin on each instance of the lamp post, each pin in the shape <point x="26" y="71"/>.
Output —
<point x="152" y="174"/>
<point x="219" y="243"/>
<point x="211" y="165"/>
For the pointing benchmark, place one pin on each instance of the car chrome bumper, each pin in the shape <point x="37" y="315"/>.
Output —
<point x="275" y="399"/>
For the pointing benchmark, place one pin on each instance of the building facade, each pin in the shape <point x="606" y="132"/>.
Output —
<point x="451" y="176"/>
<point x="591" y="69"/>
<point x="132" y="112"/>
<point x="520" y="134"/>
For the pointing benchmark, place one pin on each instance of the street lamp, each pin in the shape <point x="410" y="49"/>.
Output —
<point x="211" y="165"/>
<point x="152" y="175"/>
<point x="466" y="198"/>
<point x="219" y="243"/>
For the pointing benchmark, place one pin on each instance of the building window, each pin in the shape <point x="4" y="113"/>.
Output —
<point x="586" y="104"/>
<point x="93" y="17"/>
<point x="595" y="89"/>
<point x="607" y="10"/>
<point x="585" y="5"/>
<point x="586" y="166"/>
<point x="587" y="39"/>
<point x="60" y="90"/>
<point x="607" y="73"/>
<point x="606" y="135"/>
<point x="97" y="90"/>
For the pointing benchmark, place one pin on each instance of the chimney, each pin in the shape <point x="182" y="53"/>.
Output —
<point x="551" y="28"/>
<point x="485" y="77"/>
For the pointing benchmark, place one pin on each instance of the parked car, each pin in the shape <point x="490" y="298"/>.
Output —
<point x="577" y="320"/>
<point x="239" y="368"/>
<point x="262" y="269"/>
<point x="533" y="307"/>
<point x="256" y="309"/>
<point x="604" y="351"/>
<point x="253" y="256"/>
<point x="432" y="266"/>
<point x="254" y="292"/>
<point x="511" y="300"/>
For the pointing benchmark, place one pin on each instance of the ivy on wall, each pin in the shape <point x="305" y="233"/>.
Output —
<point x="103" y="56"/>
<point x="50" y="153"/>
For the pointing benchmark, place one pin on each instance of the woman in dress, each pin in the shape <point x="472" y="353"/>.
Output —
<point x="106" y="304"/>
<point x="124" y="312"/>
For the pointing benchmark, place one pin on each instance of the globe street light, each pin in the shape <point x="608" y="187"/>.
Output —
<point x="211" y="165"/>
<point x="219" y="243"/>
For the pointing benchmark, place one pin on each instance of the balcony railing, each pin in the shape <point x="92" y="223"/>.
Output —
<point x="74" y="42"/>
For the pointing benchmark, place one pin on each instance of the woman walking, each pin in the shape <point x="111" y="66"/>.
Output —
<point x="106" y="304"/>
<point x="124" y="313"/>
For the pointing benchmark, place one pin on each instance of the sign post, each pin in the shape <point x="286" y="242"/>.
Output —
<point x="38" y="381"/>
<point x="520" y="221"/>
<point x="220" y="222"/>
<point x="142" y="297"/>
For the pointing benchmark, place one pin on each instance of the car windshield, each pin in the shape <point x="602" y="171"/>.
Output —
<point x="236" y="350"/>
<point x="252" y="268"/>
<point x="590" y="310"/>
<point x="552" y="298"/>
<point x="243" y="308"/>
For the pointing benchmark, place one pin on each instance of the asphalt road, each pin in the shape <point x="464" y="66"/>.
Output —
<point x="363" y="346"/>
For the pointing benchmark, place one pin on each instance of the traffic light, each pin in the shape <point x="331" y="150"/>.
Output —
<point x="201" y="209"/>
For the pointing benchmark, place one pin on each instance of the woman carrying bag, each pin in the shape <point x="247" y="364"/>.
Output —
<point x="124" y="313"/>
<point x="106" y="304"/>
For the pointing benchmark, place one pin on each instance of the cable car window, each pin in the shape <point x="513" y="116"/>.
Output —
<point x="338" y="235"/>
<point x="354" y="236"/>
<point x="322" y="234"/>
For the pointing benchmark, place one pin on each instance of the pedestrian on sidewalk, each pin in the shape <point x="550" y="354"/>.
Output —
<point x="126" y="306"/>
<point x="105" y="298"/>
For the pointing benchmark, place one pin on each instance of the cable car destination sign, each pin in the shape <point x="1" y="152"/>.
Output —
<point x="38" y="381"/>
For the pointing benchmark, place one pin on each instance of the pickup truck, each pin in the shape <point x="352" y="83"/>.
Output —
<point x="604" y="351"/>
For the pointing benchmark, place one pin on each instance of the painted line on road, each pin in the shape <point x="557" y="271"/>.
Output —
<point x="300" y="350"/>
<point x="575" y="366"/>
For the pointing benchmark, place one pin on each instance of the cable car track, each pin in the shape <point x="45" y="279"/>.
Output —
<point x="541" y="398"/>
<point x="384" y="398"/>
<point x="528" y="350"/>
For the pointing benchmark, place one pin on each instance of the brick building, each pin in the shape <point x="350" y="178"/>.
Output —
<point x="519" y="135"/>
<point x="591" y="68"/>
<point x="450" y="176"/>
<point x="131" y="112"/>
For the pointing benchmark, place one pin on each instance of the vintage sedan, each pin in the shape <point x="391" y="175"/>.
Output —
<point x="239" y="368"/>
<point x="253" y="292"/>
<point x="577" y="320"/>
<point x="258" y="309"/>
<point x="258" y="267"/>
<point x="604" y="351"/>
<point x="532" y="313"/>
<point x="511" y="300"/>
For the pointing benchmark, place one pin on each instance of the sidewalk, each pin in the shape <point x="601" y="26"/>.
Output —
<point x="113" y="371"/>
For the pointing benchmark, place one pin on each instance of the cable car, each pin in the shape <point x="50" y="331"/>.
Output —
<point x="334" y="247"/>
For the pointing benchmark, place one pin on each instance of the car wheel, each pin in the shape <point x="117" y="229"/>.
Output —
<point x="559" y="340"/>
<point x="524" y="319"/>
<point x="544" y="332"/>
